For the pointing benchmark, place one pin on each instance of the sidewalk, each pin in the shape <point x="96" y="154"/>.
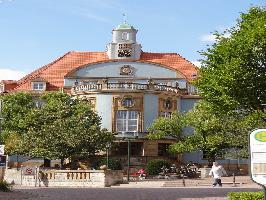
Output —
<point x="240" y="181"/>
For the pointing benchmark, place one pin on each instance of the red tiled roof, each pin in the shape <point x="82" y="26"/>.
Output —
<point x="55" y="71"/>
<point x="9" y="84"/>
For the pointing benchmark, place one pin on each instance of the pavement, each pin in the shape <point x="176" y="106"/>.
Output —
<point x="158" y="189"/>
<point x="228" y="182"/>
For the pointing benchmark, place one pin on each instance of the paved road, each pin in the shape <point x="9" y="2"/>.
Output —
<point x="121" y="193"/>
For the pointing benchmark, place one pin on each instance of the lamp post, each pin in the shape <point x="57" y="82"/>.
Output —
<point x="108" y="145"/>
<point x="128" y="139"/>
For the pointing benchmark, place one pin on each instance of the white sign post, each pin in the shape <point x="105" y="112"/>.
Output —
<point x="257" y="148"/>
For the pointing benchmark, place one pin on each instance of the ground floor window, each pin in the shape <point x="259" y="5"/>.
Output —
<point x="121" y="149"/>
<point x="163" y="149"/>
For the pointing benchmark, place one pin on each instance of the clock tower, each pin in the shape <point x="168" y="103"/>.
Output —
<point x="124" y="44"/>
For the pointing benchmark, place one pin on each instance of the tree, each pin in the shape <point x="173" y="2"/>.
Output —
<point x="234" y="68"/>
<point x="15" y="108"/>
<point x="163" y="127"/>
<point x="62" y="128"/>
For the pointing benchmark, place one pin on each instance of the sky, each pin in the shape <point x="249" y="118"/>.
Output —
<point x="36" y="32"/>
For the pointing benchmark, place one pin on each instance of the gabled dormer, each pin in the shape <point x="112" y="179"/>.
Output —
<point x="38" y="84"/>
<point x="124" y="44"/>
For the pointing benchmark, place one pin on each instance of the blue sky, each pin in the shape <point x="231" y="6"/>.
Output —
<point x="35" y="32"/>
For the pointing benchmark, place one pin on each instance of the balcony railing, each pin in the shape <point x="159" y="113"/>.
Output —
<point x="122" y="86"/>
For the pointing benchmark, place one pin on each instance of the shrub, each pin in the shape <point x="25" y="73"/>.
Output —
<point x="4" y="186"/>
<point x="112" y="164"/>
<point x="246" y="196"/>
<point x="154" y="166"/>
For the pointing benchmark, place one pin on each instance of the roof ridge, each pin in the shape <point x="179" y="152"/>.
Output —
<point x="38" y="71"/>
<point x="170" y="53"/>
<point x="197" y="68"/>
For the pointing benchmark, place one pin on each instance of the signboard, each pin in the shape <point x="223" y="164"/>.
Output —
<point x="2" y="149"/>
<point x="257" y="147"/>
<point x="28" y="170"/>
<point x="2" y="161"/>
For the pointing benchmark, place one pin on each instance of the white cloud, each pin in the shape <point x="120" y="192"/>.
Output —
<point x="9" y="74"/>
<point x="197" y="63"/>
<point x="208" y="38"/>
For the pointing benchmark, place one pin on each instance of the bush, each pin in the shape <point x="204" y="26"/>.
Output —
<point x="246" y="196"/>
<point x="112" y="164"/>
<point x="154" y="166"/>
<point x="4" y="186"/>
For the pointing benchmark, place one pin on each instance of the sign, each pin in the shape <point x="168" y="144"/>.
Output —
<point x="257" y="147"/>
<point x="28" y="170"/>
<point x="2" y="160"/>
<point x="2" y="149"/>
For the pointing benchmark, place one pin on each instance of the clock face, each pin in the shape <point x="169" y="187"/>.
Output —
<point x="124" y="53"/>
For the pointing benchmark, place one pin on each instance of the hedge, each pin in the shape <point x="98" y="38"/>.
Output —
<point x="154" y="166"/>
<point x="4" y="186"/>
<point x="246" y="196"/>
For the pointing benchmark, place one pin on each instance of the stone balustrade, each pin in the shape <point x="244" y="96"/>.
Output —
<point x="64" y="178"/>
<point x="122" y="86"/>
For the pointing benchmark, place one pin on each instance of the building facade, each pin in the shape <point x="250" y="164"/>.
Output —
<point x="127" y="87"/>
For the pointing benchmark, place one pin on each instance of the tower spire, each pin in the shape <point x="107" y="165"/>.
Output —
<point x="124" y="17"/>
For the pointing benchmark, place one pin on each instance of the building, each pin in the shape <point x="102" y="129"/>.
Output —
<point x="128" y="88"/>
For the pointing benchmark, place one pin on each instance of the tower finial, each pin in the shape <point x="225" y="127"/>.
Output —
<point x="125" y="17"/>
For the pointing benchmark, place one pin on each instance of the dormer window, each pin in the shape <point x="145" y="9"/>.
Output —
<point x="38" y="86"/>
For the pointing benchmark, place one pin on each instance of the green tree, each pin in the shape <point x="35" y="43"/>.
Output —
<point x="234" y="68"/>
<point x="15" y="108"/>
<point x="163" y="127"/>
<point x="62" y="128"/>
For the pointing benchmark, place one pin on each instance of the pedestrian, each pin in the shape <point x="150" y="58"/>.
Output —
<point x="217" y="172"/>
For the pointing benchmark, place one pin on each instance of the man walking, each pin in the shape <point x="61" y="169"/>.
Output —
<point x="216" y="172"/>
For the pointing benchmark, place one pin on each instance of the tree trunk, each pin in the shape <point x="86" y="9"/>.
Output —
<point x="62" y="162"/>
<point x="46" y="162"/>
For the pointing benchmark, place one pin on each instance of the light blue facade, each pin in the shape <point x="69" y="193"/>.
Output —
<point x="150" y="109"/>
<point x="104" y="109"/>
<point x="112" y="70"/>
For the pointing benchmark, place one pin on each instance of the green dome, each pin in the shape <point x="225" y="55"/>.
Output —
<point x="124" y="25"/>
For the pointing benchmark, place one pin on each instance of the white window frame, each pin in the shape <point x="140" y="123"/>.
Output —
<point x="124" y="122"/>
<point x="125" y="36"/>
<point x="38" y="84"/>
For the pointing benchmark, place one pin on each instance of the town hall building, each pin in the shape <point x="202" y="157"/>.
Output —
<point x="128" y="87"/>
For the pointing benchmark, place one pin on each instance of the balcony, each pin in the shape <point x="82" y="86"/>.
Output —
<point x="105" y="87"/>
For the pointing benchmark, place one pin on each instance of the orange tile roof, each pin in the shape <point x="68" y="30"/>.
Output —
<point x="55" y="71"/>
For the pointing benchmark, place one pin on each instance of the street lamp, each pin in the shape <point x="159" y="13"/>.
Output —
<point x="108" y="145"/>
<point x="128" y="139"/>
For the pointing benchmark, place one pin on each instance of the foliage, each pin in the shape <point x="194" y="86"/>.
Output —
<point x="62" y="128"/>
<point x="245" y="195"/>
<point x="233" y="73"/>
<point x="113" y="164"/>
<point x="14" y="112"/>
<point x="4" y="186"/>
<point x="163" y="127"/>
<point x="154" y="166"/>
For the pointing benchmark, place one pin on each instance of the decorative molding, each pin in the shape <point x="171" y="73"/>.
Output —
<point x="126" y="70"/>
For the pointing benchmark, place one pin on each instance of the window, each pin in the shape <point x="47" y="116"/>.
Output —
<point x="126" y="121"/>
<point x="163" y="149"/>
<point x="38" y="86"/>
<point x="38" y="104"/>
<point x="127" y="102"/>
<point x="2" y="88"/>
<point x="125" y="36"/>
<point x="166" y="114"/>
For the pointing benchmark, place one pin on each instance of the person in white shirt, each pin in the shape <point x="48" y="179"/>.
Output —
<point x="217" y="172"/>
